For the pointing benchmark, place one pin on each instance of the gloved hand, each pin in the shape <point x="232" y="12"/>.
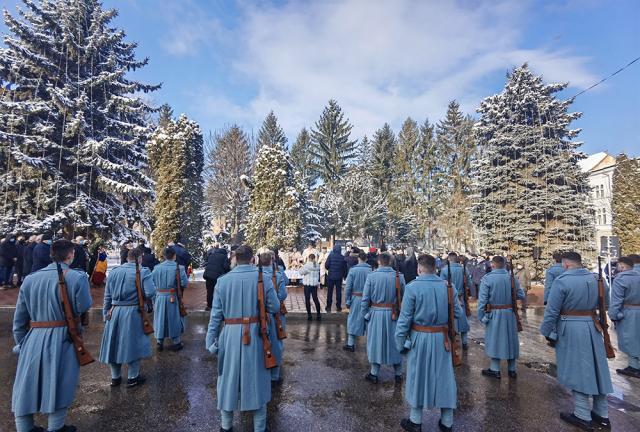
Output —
<point x="551" y="342"/>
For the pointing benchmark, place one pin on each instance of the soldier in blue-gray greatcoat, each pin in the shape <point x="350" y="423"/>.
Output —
<point x="167" y="321"/>
<point x="244" y="382"/>
<point x="267" y="260"/>
<point x="47" y="383"/>
<point x="495" y="310"/>
<point x="570" y="325"/>
<point x="124" y="340"/>
<point x="356" y="279"/>
<point x="624" y="311"/>
<point x="422" y="333"/>
<point x="552" y="273"/>
<point x="378" y="303"/>
<point x="458" y="274"/>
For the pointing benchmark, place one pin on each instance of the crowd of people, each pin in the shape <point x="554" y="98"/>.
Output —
<point x="413" y="309"/>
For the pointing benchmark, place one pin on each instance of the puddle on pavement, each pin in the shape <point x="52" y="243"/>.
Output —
<point x="544" y="367"/>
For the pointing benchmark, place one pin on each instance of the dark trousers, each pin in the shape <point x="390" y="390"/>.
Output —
<point x="6" y="275"/>
<point x="337" y="283"/>
<point x="309" y="291"/>
<point x="211" y="284"/>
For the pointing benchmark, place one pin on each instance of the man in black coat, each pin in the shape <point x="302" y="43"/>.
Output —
<point x="183" y="257"/>
<point x="336" y="266"/>
<point x="217" y="265"/>
<point x="81" y="255"/>
<point x="8" y="258"/>
<point x="410" y="267"/>
<point x="42" y="253"/>
<point x="27" y="255"/>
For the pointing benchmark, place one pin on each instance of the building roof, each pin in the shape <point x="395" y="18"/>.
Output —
<point x="597" y="161"/>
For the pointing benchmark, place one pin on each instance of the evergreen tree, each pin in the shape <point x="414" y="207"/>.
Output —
<point x="72" y="126"/>
<point x="229" y="160"/>
<point x="165" y="114"/>
<point x="301" y="157"/>
<point x="178" y="160"/>
<point x="456" y="148"/>
<point x="271" y="133"/>
<point x="626" y="203"/>
<point x="529" y="188"/>
<point x="275" y="214"/>
<point x="332" y="148"/>
<point x="364" y="152"/>
<point x="309" y="211"/>
<point x="384" y="151"/>
<point x="431" y="199"/>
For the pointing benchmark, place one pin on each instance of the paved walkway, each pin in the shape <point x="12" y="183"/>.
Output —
<point x="323" y="389"/>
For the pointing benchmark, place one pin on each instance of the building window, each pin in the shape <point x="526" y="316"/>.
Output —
<point x="604" y="217"/>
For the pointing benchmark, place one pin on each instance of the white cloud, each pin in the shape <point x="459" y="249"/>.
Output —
<point x="382" y="60"/>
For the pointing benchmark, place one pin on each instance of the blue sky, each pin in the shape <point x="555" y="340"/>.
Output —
<point x="223" y="62"/>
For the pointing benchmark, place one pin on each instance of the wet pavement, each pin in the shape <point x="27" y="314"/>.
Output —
<point x="323" y="389"/>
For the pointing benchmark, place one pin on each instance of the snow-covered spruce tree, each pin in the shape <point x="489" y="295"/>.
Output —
<point x="72" y="126"/>
<point x="430" y="200"/>
<point x="332" y="148"/>
<point x="364" y="153"/>
<point x="456" y="149"/>
<point x="271" y="133"/>
<point x="356" y="209"/>
<point x="229" y="159"/>
<point x="176" y="150"/>
<point x="302" y="158"/>
<point x="626" y="203"/>
<point x="309" y="211"/>
<point x="529" y="188"/>
<point x="275" y="216"/>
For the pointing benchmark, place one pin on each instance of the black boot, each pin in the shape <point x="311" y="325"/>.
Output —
<point x="398" y="379"/>
<point x="513" y="374"/>
<point x="318" y="318"/>
<point x="67" y="428"/>
<point x="226" y="430"/>
<point x="629" y="371"/>
<point x="371" y="378"/>
<point x="309" y="317"/>
<point x="491" y="373"/>
<point x="409" y="426"/>
<point x="578" y="422"/>
<point x="444" y="428"/>
<point x="601" y="422"/>
<point x="115" y="382"/>
<point x="176" y="347"/>
<point x="349" y="348"/>
<point x="137" y="381"/>
<point x="160" y="346"/>
<point x="38" y="429"/>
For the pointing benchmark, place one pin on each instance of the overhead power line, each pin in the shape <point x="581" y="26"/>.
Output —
<point x="605" y="78"/>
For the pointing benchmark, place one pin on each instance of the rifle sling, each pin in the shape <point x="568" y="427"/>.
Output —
<point x="47" y="324"/>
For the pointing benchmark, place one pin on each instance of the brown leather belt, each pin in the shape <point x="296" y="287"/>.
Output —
<point x="578" y="313"/>
<point x="358" y="294"/>
<point x="166" y="291"/>
<point x="584" y="313"/>
<point x="631" y="305"/>
<point x="435" y="329"/>
<point x="47" y="324"/>
<point x="244" y="321"/>
<point x="383" y="305"/>
<point x="491" y="307"/>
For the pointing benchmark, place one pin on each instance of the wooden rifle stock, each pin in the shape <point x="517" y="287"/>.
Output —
<point x="147" y="328"/>
<point x="282" y="334"/>
<point x="465" y="289"/>
<point x="83" y="356"/>
<point x="269" y="360"/>
<point x="183" y="311"/>
<point x="602" y="314"/>
<point x="514" y="299"/>
<point x="456" y="352"/>
<point x="396" y="309"/>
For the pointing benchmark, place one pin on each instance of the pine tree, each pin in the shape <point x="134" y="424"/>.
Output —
<point x="456" y="148"/>
<point x="309" y="212"/>
<point x="626" y="203"/>
<point x="165" y="114"/>
<point x="271" y="133"/>
<point x="275" y="214"/>
<point x="301" y="157"/>
<point x="405" y="199"/>
<point x="529" y="188"/>
<point x="178" y="161"/>
<point x="431" y="198"/>
<point x="72" y="126"/>
<point x="229" y="160"/>
<point x="332" y="148"/>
